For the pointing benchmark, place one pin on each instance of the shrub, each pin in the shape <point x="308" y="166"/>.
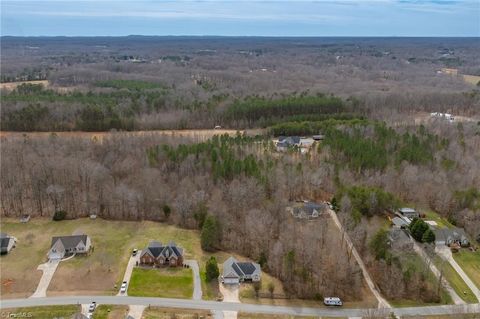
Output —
<point x="211" y="269"/>
<point x="59" y="215"/>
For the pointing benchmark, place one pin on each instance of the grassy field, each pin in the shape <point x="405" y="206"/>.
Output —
<point x="164" y="282"/>
<point x="46" y="312"/>
<point x="110" y="312"/>
<point x="167" y="313"/>
<point x="244" y="315"/>
<point x="470" y="263"/>
<point x="101" y="270"/>
<point x="455" y="280"/>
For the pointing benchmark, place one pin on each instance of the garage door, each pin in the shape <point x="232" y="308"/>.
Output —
<point x="231" y="281"/>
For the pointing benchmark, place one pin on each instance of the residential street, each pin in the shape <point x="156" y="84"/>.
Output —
<point x="231" y="306"/>
<point x="48" y="270"/>
<point x="419" y="250"/>
<point x="197" y="283"/>
<point x="382" y="302"/>
<point x="446" y="254"/>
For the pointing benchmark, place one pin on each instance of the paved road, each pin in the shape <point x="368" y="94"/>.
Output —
<point x="419" y="250"/>
<point x="48" y="269"/>
<point x="197" y="284"/>
<point x="446" y="254"/>
<point x="382" y="302"/>
<point x="233" y="306"/>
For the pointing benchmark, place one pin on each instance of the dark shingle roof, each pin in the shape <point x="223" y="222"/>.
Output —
<point x="4" y="242"/>
<point x="70" y="241"/>
<point x="237" y="269"/>
<point x="247" y="268"/>
<point x="156" y="249"/>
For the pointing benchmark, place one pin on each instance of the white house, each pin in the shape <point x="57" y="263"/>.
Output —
<point x="65" y="245"/>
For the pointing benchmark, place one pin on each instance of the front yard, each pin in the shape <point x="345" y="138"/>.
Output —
<point x="46" y="312"/>
<point x="171" y="282"/>
<point x="455" y="280"/>
<point x="470" y="263"/>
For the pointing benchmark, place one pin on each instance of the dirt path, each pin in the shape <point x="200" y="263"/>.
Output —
<point x="382" y="302"/>
<point x="446" y="254"/>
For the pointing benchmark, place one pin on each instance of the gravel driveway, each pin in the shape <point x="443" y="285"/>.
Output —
<point x="230" y="294"/>
<point x="197" y="284"/>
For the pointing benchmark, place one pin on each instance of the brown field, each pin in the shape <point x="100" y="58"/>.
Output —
<point x="472" y="79"/>
<point x="196" y="135"/>
<point x="10" y="86"/>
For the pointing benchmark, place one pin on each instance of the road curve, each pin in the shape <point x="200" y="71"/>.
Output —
<point x="233" y="306"/>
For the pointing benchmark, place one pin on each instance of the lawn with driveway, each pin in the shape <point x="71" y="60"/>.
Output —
<point x="470" y="263"/>
<point x="170" y="282"/>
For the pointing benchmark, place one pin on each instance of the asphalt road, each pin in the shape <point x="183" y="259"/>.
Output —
<point x="232" y="306"/>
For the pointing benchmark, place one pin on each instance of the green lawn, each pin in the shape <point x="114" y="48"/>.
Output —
<point x="441" y="222"/>
<point x="470" y="263"/>
<point x="169" y="313"/>
<point x="46" y="312"/>
<point x="110" y="312"/>
<point x="164" y="282"/>
<point x="455" y="280"/>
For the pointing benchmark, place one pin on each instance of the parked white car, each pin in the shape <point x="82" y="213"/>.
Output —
<point x="92" y="306"/>
<point x="332" y="301"/>
<point x="123" y="288"/>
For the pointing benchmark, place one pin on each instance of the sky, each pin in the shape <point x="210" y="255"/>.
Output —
<point x="436" y="18"/>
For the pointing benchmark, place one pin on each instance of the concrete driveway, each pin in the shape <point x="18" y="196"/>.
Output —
<point x="135" y="311"/>
<point x="197" y="284"/>
<point x="446" y="254"/>
<point x="230" y="294"/>
<point x="128" y="272"/>
<point x="48" y="270"/>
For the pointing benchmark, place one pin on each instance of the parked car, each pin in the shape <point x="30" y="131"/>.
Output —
<point x="217" y="127"/>
<point x="332" y="301"/>
<point x="123" y="288"/>
<point x="134" y="252"/>
<point x="92" y="306"/>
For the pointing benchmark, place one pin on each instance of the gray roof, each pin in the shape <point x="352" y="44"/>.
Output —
<point x="156" y="249"/>
<point x="308" y="208"/>
<point x="455" y="233"/>
<point x="70" y="242"/>
<point x="3" y="235"/>
<point x="4" y="241"/>
<point x="397" y="221"/>
<point x="233" y="268"/>
<point x="288" y="140"/>
<point x="404" y="210"/>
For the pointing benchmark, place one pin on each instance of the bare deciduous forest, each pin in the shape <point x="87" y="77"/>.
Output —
<point x="371" y="98"/>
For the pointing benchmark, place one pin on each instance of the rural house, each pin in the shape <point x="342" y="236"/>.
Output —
<point x="159" y="255"/>
<point x="409" y="212"/>
<point x="235" y="272"/>
<point x="66" y="245"/>
<point x="307" y="210"/>
<point x="7" y="243"/>
<point x="450" y="236"/>
<point x="286" y="142"/>
<point x="398" y="239"/>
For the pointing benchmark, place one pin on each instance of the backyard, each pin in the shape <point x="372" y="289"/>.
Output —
<point x="171" y="282"/>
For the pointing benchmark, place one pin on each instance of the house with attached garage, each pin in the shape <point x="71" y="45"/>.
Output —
<point x="451" y="236"/>
<point x="235" y="272"/>
<point x="67" y="245"/>
<point x="157" y="254"/>
<point x="7" y="243"/>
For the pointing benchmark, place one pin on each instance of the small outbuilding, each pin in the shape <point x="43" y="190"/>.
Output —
<point x="409" y="212"/>
<point x="7" y="243"/>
